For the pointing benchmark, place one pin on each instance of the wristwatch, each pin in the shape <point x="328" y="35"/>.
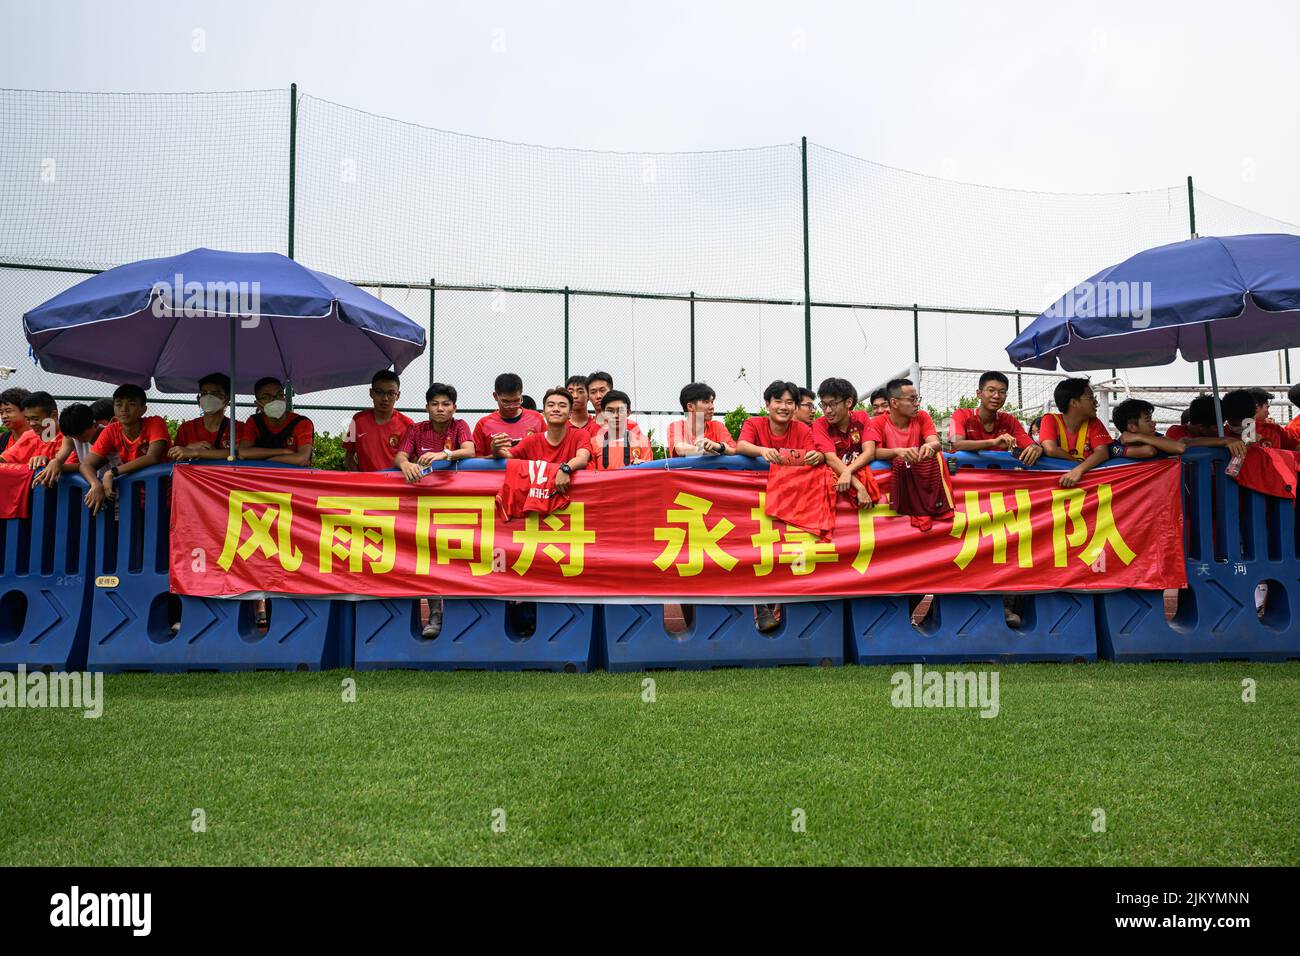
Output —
<point x="113" y="471"/>
<point x="566" y="469"/>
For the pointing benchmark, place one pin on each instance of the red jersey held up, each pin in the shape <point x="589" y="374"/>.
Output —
<point x="529" y="485"/>
<point x="802" y="497"/>
<point x="375" y="444"/>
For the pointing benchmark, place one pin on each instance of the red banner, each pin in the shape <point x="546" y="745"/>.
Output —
<point x="661" y="534"/>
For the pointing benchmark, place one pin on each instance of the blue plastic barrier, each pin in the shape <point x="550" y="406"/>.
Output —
<point x="133" y="610"/>
<point x="722" y="635"/>
<point x="476" y="635"/>
<point x="1235" y="539"/>
<point x="45" y="581"/>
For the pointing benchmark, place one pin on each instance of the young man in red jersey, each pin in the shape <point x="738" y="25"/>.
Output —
<point x="806" y="408"/>
<point x="1201" y="430"/>
<point x="207" y="436"/>
<point x="559" y="444"/>
<point x="375" y="434"/>
<point x="988" y="428"/>
<point x="11" y="417"/>
<point x="1076" y="434"/>
<point x="699" y="433"/>
<point x="274" y="433"/>
<point x="844" y="429"/>
<point x="42" y="415"/>
<point x="136" y="440"/>
<point x="618" y="444"/>
<point x="444" y="437"/>
<point x="511" y="423"/>
<point x="579" y="417"/>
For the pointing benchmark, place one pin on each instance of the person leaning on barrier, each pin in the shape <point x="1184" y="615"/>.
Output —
<point x="375" y="433"/>
<point x="1277" y="436"/>
<point x="11" y="418"/>
<point x="988" y="428"/>
<point x="1076" y="434"/>
<point x="1240" y="409"/>
<point x="1200" y="428"/>
<point x="78" y="429"/>
<point x="618" y="444"/>
<point x="42" y="416"/>
<point x="207" y="436"/>
<point x="699" y="433"/>
<point x="845" y="429"/>
<point x="560" y="444"/>
<point x="274" y="433"/>
<point x="1138" y="437"/>
<point x="137" y="440"/>
<point x="444" y="437"/>
<point x="511" y="423"/>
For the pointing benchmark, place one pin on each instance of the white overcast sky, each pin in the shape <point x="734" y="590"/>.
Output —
<point x="1085" y="98"/>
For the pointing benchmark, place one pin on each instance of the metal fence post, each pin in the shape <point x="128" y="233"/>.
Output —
<point x="566" y="333"/>
<point x="916" y="334"/>
<point x="1191" y="221"/>
<point x="293" y="157"/>
<point x="807" y="296"/>
<point x="692" y="336"/>
<point x="433" y="315"/>
<point x="1020" y="379"/>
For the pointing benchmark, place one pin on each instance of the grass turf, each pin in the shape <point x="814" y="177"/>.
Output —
<point x="710" y="773"/>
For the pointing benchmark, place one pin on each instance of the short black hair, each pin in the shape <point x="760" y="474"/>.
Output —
<point x="879" y="393"/>
<point x="507" y="383"/>
<point x="42" y="400"/>
<point x="102" y="408"/>
<point x="528" y="402"/>
<point x="1262" y="397"/>
<point x="129" y="391"/>
<point x="994" y="377"/>
<point x="615" y="395"/>
<point x="894" y="387"/>
<point x="1293" y="394"/>
<point x="385" y="375"/>
<point x="1201" y="411"/>
<point x="1238" y="405"/>
<point x="837" y="388"/>
<point x="600" y="377"/>
<point x="1068" y="389"/>
<point x="695" y="392"/>
<point x="1129" y="411"/>
<point x="13" y="396"/>
<point x="558" y="391"/>
<point x="577" y="380"/>
<point x="438" y="388"/>
<point x="1186" y="417"/>
<point x="779" y="388"/>
<point x="219" y="379"/>
<point x="268" y="380"/>
<point x="75" y="419"/>
<point x="805" y="393"/>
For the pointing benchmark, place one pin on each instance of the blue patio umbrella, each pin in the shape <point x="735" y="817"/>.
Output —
<point x="176" y="319"/>
<point x="1200" y="298"/>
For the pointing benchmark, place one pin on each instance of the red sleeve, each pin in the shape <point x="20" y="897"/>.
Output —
<point x="106" y="444"/>
<point x="1098" y="434"/>
<point x="957" y="427"/>
<point x="1176" y="432"/>
<point x="1047" y="430"/>
<point x="482" y="446"/>
<point x="871" y="431"/>
<point x="407" y="442"/>
<point x="821" y="437"/>
<point x="462" y="433"/>
<point x="675" y="431"/>
<point x="927" y="425"/>
<point x="303" y="433"/>
<point x="183" y="436"/>
<point x="350" y="439"/>
<point x="580" y="441"/>
<point x="526" y="447"/>
<point x="1286" y="440"/>
<point x="1018" y="430"/>
<point x="721" y="434"/>
<point x="1292" y="428"/>
<point x="750" y="432"/>
<point x="155" y="429"/>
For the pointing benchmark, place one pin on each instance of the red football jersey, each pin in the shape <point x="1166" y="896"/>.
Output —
<point x="967" y="424"/>
<point x="847" y="444"/>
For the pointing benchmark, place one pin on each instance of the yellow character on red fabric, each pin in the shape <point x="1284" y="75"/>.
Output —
<point x="277" y="514"/>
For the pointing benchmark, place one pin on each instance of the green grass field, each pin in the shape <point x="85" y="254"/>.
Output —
<point x="588" y="773"/>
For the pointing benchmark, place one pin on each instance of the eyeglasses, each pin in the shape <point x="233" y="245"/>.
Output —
<point x="827" y="406"/>
<point x="914" y="399"/>
<point x="384" y="393"/>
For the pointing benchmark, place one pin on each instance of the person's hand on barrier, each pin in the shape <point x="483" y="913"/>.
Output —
<point x="1008" y="442"/>
<point x="814" y="458"/>
<point x="909" y="455"/>
<point x="95" y="497"/>
<point x="772" y="456"/>
<point x="50" y="476"/>
<point x="40" y="461"/>
<point x="562" y="482"/>
<point x="926" y="452"/>
<point x="1236" y="448"/>
<point x="1030" y="454"/>
<point x="1071" y="477"/>
<point x="110" y="488"/>
<point x="411" y="470"/>
<point x="844" y="482"/>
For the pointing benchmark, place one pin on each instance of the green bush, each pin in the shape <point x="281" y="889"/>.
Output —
<point x="327" y="451"/>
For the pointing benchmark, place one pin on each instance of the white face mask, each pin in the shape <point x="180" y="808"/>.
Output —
<point x="275" y="409"/>
<point x="210" y="403"/>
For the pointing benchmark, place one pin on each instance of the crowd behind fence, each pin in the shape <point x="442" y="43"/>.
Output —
<point x="735" y="267"/>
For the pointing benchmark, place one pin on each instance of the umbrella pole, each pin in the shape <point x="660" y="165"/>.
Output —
<point x="234" y="391"/>
<point x="1214" y="377"/>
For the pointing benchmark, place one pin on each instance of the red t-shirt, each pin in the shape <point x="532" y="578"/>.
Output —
<point x="194" y="431"/>
<point x="376" y="444"/>
<point x="967" y="424"/>
<point x="300" y="437"/>
<point x="112" y="442"/>
<point x="1292" y="428"/>
<point x="528" y="423"/>
<point x="22" y="449"/>
<point x="1095" y="437"/>
<point x="886" y="434"/>
<point x="609" y="453"/>
<point x="680" y="433"/>
<point x="590" y="429"/>
<point x="423" y="437"/>
<point x="1177" y="433"/>
<point x="1272" y="435"/>
<point x="758" y="431"/>
<point x="536" y="447"/>
<point x="848" y="444"/>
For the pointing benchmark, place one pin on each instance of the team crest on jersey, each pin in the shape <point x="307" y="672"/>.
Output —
<point x="855" y="436"/>
<point x="392" y="441"/>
